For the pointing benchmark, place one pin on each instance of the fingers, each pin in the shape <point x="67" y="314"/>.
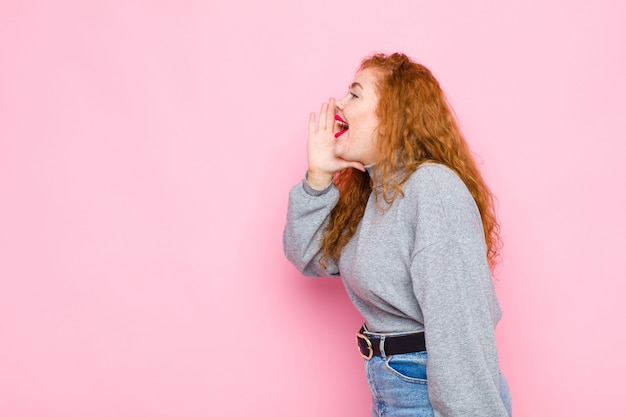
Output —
<point x="330" y="114"/>
<point x="327" y="115"/>
<point x="323" y="117"/>
<point x="312" y="128"/>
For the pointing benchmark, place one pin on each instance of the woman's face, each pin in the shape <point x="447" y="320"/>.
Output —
<point x="356" y="120"/>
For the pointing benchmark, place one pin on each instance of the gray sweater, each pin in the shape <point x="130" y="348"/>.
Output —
<point x="418" y="265"/>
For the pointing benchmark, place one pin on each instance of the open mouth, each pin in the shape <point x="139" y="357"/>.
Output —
<point x="343" y="126"/>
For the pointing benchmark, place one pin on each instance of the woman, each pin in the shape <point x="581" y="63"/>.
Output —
<point x="394" y="204"/>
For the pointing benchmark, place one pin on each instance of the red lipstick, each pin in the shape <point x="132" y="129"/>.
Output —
<point x="338" y="118"/>
<point x="343" y="124"/>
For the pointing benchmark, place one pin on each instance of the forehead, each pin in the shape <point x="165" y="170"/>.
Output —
<point x="367" y="78"/>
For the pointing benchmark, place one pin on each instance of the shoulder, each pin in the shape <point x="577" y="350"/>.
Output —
<point x="442" y="203"/>
<point x="436" y="180"/>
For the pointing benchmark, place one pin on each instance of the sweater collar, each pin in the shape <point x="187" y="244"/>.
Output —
<point x="374" y="175"/>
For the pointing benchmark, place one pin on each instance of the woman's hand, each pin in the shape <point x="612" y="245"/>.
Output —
<point x="321" y="143"/>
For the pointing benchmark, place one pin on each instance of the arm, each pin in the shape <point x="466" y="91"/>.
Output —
<point x="453" y="286"/>
<point x="460" y="311"/>
<point x="307" y="216"/>
<point x="311" y="201"/>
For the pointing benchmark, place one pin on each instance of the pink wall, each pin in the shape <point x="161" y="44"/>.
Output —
<point x="146" y="151"/>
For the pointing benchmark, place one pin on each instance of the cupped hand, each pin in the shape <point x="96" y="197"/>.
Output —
<point x="321" y="143"/>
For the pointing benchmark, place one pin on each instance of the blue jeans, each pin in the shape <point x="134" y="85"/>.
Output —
<point x="400" y="389"/>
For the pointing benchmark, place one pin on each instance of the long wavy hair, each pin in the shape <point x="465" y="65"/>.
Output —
<point x="417" y="125"/>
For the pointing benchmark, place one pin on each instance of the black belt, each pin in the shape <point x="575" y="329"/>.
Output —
<point x="369" y="344"/>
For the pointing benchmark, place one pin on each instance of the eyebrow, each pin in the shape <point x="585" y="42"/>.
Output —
<point x="353" y="85"/>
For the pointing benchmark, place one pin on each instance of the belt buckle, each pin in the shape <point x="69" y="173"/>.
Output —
<point x="369" y="346"/>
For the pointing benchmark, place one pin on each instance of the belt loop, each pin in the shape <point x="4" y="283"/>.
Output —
<point x="381" y="346"/>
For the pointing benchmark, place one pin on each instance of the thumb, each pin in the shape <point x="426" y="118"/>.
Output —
<point x="358" y="166"/>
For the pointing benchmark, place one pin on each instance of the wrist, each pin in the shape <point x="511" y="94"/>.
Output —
<point x="318" y="180"/>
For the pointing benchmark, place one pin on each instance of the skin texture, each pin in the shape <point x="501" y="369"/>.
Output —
<point x="358" y="108"/>
<point x="354" y="148"/>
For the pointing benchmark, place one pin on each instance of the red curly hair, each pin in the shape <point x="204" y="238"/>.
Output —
<point x="417" y="125"/>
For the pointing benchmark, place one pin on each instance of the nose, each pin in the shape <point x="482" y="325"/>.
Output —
<point x="340" y="103"/>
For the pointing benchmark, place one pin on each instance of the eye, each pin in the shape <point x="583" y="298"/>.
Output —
<point x="353" y="95"/>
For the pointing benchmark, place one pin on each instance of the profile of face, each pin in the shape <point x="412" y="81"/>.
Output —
<point x="356" y="121"/>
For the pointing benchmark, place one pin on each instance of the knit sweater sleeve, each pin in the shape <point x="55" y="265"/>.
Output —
<point x="307" y="216"/>
<point x="453" y="285"/>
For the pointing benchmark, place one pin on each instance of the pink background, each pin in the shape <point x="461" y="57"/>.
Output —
<point x="146" y="152"/>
